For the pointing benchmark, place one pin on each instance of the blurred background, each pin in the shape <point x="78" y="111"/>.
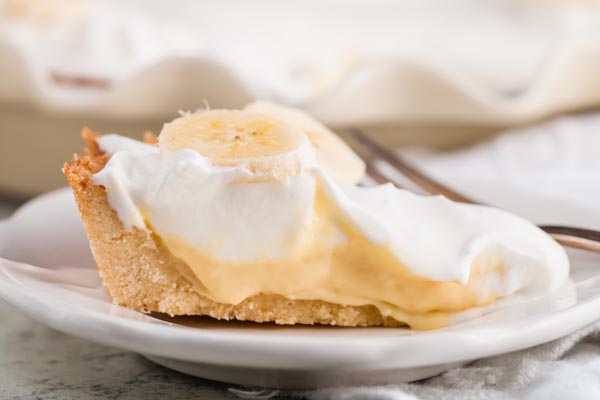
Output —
<point x="433" y="75"/>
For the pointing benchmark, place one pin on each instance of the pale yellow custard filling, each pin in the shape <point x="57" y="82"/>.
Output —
<point x="356" y="272"/>
<point x="262" y="201"/>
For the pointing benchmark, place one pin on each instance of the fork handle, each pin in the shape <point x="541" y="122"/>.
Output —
<point x="580" y="238"/>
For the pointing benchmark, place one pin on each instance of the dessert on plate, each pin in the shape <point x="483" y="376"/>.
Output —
<point x="255" y="214"/>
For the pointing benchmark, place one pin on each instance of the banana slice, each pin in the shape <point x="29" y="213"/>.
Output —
<point x="250" y="139"/>
<point x="332" y="152"/>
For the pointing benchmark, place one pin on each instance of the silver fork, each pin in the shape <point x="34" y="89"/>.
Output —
<point x="568" y="236"/>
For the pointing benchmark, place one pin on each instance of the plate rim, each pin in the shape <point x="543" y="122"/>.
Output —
<point x="295" y="351"/>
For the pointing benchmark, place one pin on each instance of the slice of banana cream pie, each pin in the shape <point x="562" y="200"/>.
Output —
<point x="254" y="214"/>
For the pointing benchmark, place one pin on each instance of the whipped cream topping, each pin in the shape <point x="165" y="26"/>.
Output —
<point x="183" y="194"/>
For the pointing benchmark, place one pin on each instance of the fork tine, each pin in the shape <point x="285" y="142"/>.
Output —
<point x="372" y="170"/>
<point x="377" y="176"/>
<point x="426" y="183"/>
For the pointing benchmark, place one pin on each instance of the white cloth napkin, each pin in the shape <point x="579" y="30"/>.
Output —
<point x="558" y="162"/>
<point x="568" y="368"/>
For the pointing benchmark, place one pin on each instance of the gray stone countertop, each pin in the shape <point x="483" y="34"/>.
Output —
<point x="37" y="362"/>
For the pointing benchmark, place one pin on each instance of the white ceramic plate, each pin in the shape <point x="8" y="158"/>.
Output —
<point x="47" y="272"/>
